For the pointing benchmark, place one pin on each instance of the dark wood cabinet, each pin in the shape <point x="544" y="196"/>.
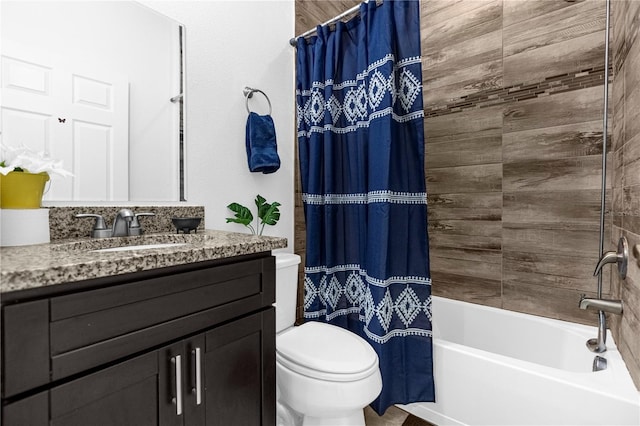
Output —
<point x="191" y="345"/>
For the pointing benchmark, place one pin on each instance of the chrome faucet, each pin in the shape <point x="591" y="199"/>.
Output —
<point x="121" y="223"/>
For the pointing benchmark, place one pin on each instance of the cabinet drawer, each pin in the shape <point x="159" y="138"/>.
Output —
<point x="77" y="321"/>
<point x="117" y="321"/>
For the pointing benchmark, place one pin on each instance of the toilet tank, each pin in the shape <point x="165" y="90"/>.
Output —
<point x="286" y="289"/>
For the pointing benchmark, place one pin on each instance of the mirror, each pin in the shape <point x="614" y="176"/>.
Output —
<point x="99" y="85"/>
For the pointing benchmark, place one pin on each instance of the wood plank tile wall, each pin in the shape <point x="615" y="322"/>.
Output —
<point x="517" y="86"/>
<point x="513" y="95"/>
<point x="625" y="102"/>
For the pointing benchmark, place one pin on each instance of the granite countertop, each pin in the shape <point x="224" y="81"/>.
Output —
<point x="27" y="267"/>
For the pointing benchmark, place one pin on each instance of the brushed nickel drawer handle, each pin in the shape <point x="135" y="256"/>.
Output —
<point x="177" y="362"/>
<point x="198" y="389"/>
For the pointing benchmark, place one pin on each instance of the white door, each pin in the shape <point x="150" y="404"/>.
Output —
<point x="76" y="114"/>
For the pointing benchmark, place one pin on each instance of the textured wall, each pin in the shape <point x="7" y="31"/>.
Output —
<point x="513" y="103"/>
<point x="625" y="102"/>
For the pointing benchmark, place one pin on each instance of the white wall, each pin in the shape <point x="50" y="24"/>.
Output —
<point x="230" y="45"/>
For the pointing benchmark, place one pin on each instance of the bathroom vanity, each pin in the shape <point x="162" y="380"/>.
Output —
<point x="182" y="335"/>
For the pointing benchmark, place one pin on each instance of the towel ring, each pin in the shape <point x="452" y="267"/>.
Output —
<point x="248" y="93"/>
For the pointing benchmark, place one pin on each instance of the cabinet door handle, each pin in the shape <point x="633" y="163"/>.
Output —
<point x="198" y="389"/>
<point x="177" y="362"/>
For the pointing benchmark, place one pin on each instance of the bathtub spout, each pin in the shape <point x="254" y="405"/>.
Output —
<point x="599" y="344"/>
<point x="606" y="305"/>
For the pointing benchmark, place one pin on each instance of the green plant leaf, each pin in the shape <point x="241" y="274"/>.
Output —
<point x="261" y="204"/>
<point x="271" y="214"/>
<point x="242" y="215"/>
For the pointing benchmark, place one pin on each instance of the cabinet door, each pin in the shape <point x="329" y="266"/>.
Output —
<point x="239" y="372"/>
<point x="123" y="395"/>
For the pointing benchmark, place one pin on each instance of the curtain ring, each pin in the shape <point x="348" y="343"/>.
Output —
<point x="248" y="93"/>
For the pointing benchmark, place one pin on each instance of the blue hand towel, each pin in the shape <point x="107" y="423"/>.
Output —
<point x="262" y="150"/>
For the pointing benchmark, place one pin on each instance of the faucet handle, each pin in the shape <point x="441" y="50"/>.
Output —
<point x="621" y="257"/>
<point x="100" y="229"/>
<point x="134" y="226"/>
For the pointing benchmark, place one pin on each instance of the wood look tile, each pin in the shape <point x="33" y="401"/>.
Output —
<point x="464" y="152"/>
<point x="485" y="228"/>
<point x="575" y="209"/>
<point x="547" y="143"/>
<point x="459" y="22"/>
<point x="444" y="239"/>
<point x="617" y="172"/>
<point x="517" y="11"/>
<point x="629" y="332"/>
<point x="632" y="92"/>
<point x="472" y="268"/>
<point x="554" y="27"/>
<point x="631" y="162"/>
<point x="631" y="215"/>
<point x="463" y="68"/>
<point x="617" y="203"/>
<point x="461" y="179"/>
<point x="464" y="125"/>
<point x="527" y="239"/>
<point x="462" y="82"/>
<point x="630" y="360"/>
<point x="559" y="58"/>
<point x="484" y="48"/>
<point x="618" y="112"/>
<point x="631" y="295"/>
<point x="632" y="23"/>
<point x="442" y="10"/>
<point x="485" y="206"/>
<point x="577" y="173"/>
<point x="467" y="288"/>
<point x="546" y="301"/>
<point x="566" y="272"/>
<point x="578" y="106"/>
<point x="487" y="256"/>
<point x="618" y="32"/>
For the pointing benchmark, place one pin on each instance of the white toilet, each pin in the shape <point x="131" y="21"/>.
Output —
<point x="326" y="375"/>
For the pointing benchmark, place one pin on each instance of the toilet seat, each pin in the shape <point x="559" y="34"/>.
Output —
<point x="326" y="352"/>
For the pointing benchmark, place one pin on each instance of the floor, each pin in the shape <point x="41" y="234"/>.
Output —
<point x="393" y="417"/>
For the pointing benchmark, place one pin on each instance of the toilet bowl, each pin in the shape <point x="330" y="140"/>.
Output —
<point x="325" y="374"/>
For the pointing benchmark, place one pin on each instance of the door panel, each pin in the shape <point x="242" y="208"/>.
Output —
<point x="48" y="106"/>
<point x="235" y="364"/>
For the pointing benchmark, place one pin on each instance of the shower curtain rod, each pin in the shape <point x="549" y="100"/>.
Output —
<point x="354" y="9"/>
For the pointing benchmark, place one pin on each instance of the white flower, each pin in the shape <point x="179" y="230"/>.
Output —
<point x="29" y="161"/>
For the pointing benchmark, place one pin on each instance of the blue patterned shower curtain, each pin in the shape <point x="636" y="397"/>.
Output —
<point x="361" y="147"/>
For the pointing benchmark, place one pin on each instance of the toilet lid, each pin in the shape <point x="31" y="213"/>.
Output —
<point x="325" y="348"/>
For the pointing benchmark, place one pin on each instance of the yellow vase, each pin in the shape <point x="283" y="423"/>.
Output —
<point x="22" y="190"/>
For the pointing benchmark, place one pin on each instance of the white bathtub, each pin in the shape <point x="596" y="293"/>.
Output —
<point x="497" y="367"/>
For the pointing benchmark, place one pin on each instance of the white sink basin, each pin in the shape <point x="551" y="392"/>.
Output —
<point x="141" y="247"/>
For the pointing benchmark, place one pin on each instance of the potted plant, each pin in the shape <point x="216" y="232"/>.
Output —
<point x="268" y="214"/>
<point x="23" y="175"/>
